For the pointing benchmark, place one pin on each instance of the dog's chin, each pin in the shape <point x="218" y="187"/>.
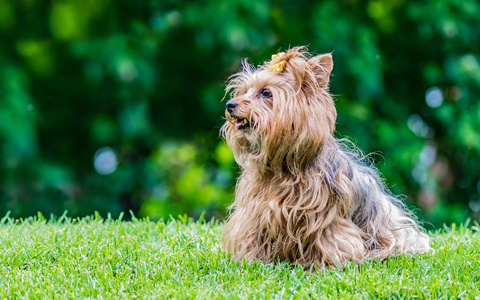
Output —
<point x="246" y="135"/>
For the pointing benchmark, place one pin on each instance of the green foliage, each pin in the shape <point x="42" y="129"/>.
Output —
<point x="184" y="181"/>
<point x="94" y="257"/>
<point x="142" y="81"/>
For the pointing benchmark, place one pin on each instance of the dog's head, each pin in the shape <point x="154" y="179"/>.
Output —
<point x="280" y="114"/>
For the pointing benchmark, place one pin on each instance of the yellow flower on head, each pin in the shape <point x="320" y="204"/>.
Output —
<point x="279" y="66"/>
<point x="277" y="56"/>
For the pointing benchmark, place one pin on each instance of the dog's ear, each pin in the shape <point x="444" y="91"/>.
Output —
<point x="322" y="66"/>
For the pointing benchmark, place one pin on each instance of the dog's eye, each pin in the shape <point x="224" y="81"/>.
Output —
<point x="265" y="93"/>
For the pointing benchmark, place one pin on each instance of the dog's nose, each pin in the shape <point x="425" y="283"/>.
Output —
<point x="231" y="105"/>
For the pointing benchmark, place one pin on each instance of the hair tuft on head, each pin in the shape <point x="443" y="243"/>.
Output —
<point x="310" y="73"/>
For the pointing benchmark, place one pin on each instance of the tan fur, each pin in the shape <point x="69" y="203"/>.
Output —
<point x="303" y="196"/>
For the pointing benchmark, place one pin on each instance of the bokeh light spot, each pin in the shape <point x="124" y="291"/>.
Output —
<point x="434" y="97"/>
<point x="105" y="161"/>
<point x="419" y="127"/>
<point x="474" y="205"/>
<point x="126" y="70"/>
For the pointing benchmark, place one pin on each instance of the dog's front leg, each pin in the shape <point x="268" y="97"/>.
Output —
<point x="339" y="242"/>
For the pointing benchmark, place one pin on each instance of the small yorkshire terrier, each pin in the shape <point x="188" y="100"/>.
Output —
<point x="303" y="197"/>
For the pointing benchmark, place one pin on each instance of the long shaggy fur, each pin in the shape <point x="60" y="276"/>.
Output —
<point x="303" y="196"/>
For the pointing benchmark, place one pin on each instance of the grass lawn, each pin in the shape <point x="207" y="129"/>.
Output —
<point x="105" y="258"/>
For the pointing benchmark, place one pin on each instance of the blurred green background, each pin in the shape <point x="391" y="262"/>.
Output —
<point x="112" y="106"/>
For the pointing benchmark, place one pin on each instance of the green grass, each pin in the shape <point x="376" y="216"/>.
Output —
<point x="105" y="258"/>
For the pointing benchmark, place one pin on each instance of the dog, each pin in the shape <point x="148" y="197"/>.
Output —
<point x="303" y="196"/>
